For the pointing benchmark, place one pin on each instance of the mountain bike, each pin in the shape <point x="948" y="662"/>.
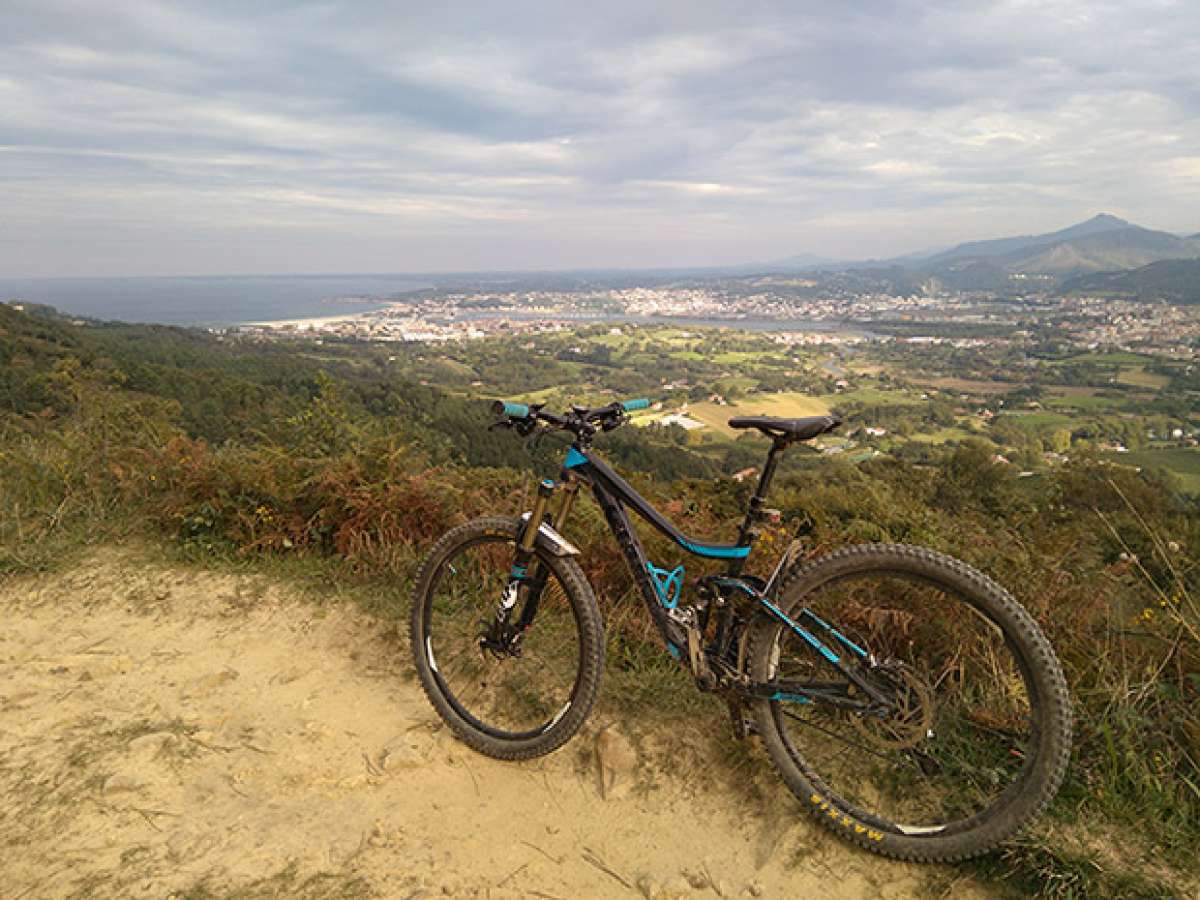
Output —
<point x="908" y="701"/>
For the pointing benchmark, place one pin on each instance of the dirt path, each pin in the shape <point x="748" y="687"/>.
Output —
<point x="176" y="732"/>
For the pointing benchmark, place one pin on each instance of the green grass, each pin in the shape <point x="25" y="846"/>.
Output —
<point x="1139" y="377"/>
<point x="732" y="357"/>
<point x="616" y="341"/>
<point x="1183" y="462"/>
<point x="871" y="396"/>
<point x="741" y="382"/>
<point x="537" y="396"/>
<point x="941" y="436"/>
<point x="1040" y="418"/>
<point x="967" y="385"/>
<point x="1116" y="358"/>
<point x="1086" y="402"/>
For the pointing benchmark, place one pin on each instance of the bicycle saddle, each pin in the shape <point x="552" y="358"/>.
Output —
<point x="803" y="429"/>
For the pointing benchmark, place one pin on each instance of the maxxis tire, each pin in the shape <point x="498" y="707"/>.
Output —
<point x="1046" y="684"/>
<point x="591" y="632"/>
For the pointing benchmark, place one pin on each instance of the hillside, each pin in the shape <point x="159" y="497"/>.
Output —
<point x="343" y="461"/>
<point x="1102" y="243"/>
<point x="1174" y="280"/>
<point x="1000" y="247"/>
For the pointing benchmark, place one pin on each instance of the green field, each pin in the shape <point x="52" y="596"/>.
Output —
<point x="1040" y="417"/>
<point x="1116" y="358"/>
<point x="968" y="385"/>
<point x="942" y="435"/>
<point x="1139" y="377"/>
<point x="869" y="396"/>
<point x="1184" y="462"/>
<point x="1086" y="402"/>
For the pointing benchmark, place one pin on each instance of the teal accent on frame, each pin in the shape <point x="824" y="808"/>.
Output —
<point x="791" y="698"/>
<point x="574" y="458"/>
<point x="667" y="585"/>
<point x="813" y="641"/>
<point x="837" y="634"/>
<point x="714" y="552"/>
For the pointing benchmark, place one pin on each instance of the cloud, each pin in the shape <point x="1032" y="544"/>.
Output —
<point x="534" y="134"/>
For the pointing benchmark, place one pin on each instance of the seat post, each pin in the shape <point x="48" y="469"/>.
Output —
<point x="754" y="513"/>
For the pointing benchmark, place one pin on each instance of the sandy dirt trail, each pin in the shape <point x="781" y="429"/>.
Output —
<point x="175" y="732"/>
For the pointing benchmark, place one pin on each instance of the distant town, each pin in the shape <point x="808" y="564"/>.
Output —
<point x="960" y="318"/>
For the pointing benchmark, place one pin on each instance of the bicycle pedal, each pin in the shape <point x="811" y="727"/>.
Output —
<point x="743" y="726"/>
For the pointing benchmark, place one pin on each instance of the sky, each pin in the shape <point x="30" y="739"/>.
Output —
<point x="210" y="137"/>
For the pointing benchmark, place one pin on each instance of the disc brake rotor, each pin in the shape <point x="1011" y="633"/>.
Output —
<point x="910" y="722"/>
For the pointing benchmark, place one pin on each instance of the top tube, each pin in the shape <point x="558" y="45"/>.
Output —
<point x="619" y="487"/>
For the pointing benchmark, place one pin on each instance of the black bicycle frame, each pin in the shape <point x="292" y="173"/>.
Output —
<point x="614" y="495"/>
<point x="661" y="589"/>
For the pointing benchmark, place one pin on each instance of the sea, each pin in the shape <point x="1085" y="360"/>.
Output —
<point x="222" y="301"/>
<point x="212" y="301"/>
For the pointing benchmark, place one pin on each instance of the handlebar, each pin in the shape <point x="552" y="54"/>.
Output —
<point x="512" y="410"/>
<point x="581" y="421"/>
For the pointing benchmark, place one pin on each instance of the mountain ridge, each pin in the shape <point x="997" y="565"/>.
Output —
<point x="1174" y="280"/>
<point x="1103" y="243"/>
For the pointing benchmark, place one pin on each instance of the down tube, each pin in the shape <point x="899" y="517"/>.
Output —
<point x="635" y="557"/>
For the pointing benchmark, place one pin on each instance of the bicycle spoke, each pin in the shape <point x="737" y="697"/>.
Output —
<point x="936" y="756"/>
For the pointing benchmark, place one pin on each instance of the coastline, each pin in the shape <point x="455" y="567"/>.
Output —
<point x="308" y="324"/>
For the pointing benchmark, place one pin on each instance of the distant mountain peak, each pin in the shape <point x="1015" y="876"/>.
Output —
<point x="1096" y="224"/>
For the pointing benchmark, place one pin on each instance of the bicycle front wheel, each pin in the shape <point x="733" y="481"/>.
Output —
<point x="975" y="737"/>
<point x="508" y="705"/>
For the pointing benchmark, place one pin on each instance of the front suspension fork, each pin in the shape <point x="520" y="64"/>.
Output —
<point x="503" y="635"/>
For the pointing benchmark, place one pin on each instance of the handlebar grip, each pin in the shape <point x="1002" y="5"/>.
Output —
<point x="634" y="405"/>
<point x="515" y="410"/>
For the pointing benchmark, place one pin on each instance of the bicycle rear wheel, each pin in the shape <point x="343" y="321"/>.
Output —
<point x="510" y="706"/>
<point x="976" y="738"/>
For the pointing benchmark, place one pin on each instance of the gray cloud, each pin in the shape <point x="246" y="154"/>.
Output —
<point x="149" y="137"/>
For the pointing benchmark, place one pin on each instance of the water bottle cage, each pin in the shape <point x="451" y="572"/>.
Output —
<point x="668" y="584"/>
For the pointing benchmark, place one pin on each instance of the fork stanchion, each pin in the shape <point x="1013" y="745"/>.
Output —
<point x="569" y="489"/>
<point x="529" y="535"/>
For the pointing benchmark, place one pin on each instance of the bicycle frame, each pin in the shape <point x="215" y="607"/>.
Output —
<point x="660" y="589"/>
